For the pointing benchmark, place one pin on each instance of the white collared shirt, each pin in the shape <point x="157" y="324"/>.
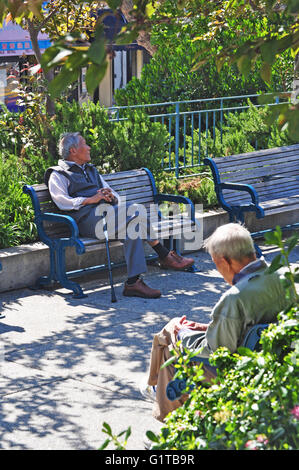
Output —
<point x="58" y="187"/>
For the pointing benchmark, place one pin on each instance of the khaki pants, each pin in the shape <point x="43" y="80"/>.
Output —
<point x="160" y="353"/>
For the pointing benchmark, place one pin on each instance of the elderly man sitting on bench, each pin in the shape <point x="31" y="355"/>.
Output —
<point x="78" y="189"/>
<point x="254" y="297"/>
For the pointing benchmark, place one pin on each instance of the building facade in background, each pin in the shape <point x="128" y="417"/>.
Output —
<point x="16" y="56"/>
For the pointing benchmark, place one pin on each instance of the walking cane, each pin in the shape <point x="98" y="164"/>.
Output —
<point x="113" y="296"/>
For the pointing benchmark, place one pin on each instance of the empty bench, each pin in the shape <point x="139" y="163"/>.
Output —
<point x="264" y="182"/>
<point x="59" y="231"/>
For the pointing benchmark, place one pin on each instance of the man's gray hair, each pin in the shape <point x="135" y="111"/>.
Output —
<point x="66" y="142"/>
<point x="232" y="241"/>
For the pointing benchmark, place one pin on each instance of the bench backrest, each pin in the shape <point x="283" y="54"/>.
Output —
<point x="135" y="186"/>
<point x="274" y="173"/>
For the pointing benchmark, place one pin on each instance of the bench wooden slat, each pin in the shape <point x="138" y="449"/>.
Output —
<point x="254" y="174"/>
<point x="259" y="153"/>
<point x="255" y="161"/>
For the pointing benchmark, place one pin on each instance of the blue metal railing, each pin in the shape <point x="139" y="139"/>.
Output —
<point x="190" y="122"/>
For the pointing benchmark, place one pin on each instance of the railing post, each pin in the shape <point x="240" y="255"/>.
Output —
<point x="177" y="138"/>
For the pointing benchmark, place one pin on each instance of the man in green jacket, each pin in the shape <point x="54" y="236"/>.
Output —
<point x="254" y="297"/>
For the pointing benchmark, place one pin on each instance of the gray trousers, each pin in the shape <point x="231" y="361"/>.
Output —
<point x="115" y="220"/>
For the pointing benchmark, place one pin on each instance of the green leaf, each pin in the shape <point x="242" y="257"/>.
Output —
<point x="277" y="434"/>
<point x="152" y="436"/>
<point x="268" y="51"/>
<point x="276" y="264"/>
<point x="245" y="351"/>
<point x="105" y="444"/>
<point x="266" y="72"/>
<point x="97" y="52"/>
<point x="62" y="81"/>
<point x="168" y="362"/>
<point x="60" y="56"/>
<point x="128" y="433"/>
<point x="244" y="64"/>
<point x="107" y="428"/>
<point x="127" y="37"/>
<point x="94" y="76"/>
<point x="292" y="242"/>
<point x="48" y="56"/>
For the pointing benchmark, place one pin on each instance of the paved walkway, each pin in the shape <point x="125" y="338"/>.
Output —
<point x="69" y="365"/>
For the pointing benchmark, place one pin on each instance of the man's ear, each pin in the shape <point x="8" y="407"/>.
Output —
<point x="227" y="260"/>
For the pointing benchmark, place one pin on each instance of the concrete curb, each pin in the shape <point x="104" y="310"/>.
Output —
<point x="21" y="266"/>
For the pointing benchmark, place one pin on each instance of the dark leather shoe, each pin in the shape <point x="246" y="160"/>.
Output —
<point x="140" y="289"/>
<point x="175" y="261"/>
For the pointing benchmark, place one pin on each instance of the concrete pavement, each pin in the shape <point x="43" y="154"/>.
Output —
<point x="68" y="365"/>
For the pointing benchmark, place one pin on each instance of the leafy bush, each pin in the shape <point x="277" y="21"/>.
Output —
<point x="139" y="142"/>
<point x="16" y="213"/>
<point x="199" y="189"/>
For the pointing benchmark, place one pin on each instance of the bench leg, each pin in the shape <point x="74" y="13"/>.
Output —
<point x="51" y="278"/>
<point x="62" y="277"/>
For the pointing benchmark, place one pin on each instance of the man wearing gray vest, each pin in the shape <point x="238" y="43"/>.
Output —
<point x="78" y="189"/>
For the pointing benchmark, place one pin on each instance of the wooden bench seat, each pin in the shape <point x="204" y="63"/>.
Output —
<point x="265" y="182"/>
<point x="58" y="230"/>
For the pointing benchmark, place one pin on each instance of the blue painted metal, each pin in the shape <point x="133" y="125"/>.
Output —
<point x="236" y="213"/>
<point x="175" y="388"/>
<point x="57" y="246"/>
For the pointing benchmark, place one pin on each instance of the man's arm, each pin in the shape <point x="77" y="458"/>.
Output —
<point x="224" y="329"/>
<point x="58" y="188"/>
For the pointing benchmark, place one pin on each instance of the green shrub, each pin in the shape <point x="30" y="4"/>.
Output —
<point x="16" y="213"/>
<point x="139" y="142"/>
<point x="199" y="189"/>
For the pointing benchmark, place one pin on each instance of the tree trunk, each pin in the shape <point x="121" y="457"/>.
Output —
<point x="144" y="38"/>
<point x="33" y="31"/>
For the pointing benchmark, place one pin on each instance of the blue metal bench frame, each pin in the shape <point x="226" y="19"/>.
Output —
<point x="57" y="245"/>
<point x="286" y="157"/>
<point x="176" y="387"/>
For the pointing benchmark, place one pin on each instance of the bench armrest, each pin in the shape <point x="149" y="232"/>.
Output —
<point x="62" y="219"/>
<point x="73" y="240"/>
<point x="176" y="199"/>
<point x="242" y="187"/>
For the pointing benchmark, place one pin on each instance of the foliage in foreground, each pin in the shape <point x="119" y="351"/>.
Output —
<point x="254" y="402"/>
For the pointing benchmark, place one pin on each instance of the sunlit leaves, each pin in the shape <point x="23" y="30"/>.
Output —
<point x="95" y="75"/>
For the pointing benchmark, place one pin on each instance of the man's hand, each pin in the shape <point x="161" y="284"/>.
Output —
<point x="104" y="194"/>
<point x="191" y="325"/>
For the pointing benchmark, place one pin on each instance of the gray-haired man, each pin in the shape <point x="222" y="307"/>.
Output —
<point x="77" y="188"/>
<point x="254" y="297"/>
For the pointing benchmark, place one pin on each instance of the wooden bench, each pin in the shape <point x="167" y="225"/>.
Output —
<point x="265" y="182"/>
<point x="59" y="231"/>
